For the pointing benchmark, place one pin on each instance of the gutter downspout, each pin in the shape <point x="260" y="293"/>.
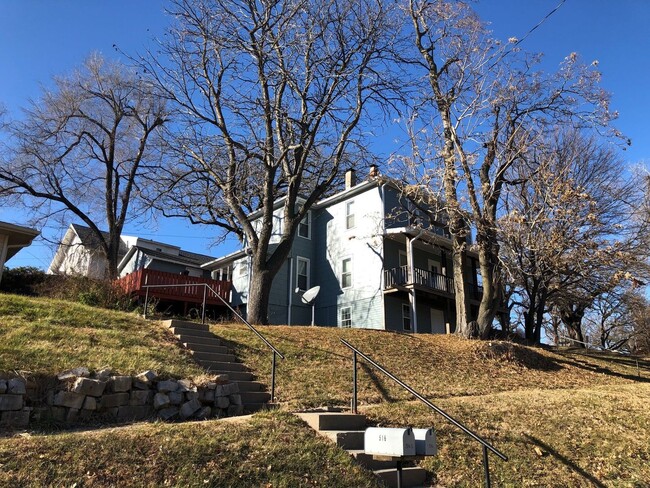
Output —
<point x="414" y="315"/>
<point x="290" y="290"/>
<point x="382" y="283"/>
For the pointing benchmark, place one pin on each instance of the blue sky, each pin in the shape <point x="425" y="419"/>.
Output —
<point x="42" y="38"/>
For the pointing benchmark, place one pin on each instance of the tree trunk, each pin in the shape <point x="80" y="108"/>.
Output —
<point x="460" y="293"/>
<point x="259" y="294"/>
<point x="571" y="317"/>
<point x="491" y="297"/>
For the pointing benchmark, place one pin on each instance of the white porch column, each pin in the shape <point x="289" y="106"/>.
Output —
<point x="4" y="243"/>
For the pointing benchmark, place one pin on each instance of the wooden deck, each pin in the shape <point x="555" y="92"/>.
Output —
<point x="192" y="291"/>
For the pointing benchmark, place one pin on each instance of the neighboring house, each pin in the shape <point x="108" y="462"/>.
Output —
<point x="144" y="267"/>
<point x="375" y="266"/>
<point x="80" y="253"/>
<point x="12" y="239"/>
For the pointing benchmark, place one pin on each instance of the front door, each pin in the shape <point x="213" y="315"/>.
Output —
<point x="438" y="325"/>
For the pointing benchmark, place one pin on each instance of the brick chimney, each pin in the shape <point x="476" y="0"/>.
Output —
<point x="350" y="179"/>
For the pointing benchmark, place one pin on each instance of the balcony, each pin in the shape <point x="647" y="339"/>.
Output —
<point x="396" y="278"/>
<point x="133" y="284"/>
<point x="400" y="277"/>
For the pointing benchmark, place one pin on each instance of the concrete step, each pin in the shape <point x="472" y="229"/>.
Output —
<point x="221" y="366"/>
<point x="184" y="324"/>
<point x="210" y="345"/>
<point x="346" y="439"/>
<point x="411" y="477"/>
<point x="368" y="462"/>
<point x="213" y="356"/>
<point x="333" y="420"/>
<point x="233" y="375"/>
<point x="257" y="407"/>
<point x="250" y="386"/>
<point x="254" y="397"/>
<point x="189" y="334"/>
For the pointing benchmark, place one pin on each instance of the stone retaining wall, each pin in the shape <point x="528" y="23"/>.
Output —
<point x="80" y="396"/>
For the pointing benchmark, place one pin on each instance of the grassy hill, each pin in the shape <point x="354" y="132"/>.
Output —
<point x="565" y="418"/>
<point x="45" y="337"/>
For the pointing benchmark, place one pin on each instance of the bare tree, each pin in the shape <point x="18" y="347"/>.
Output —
<point x="272" y="97"/>
<point x="82" y="147"/>
<point x="568" y="232"/>
<point x="487" y="107"/>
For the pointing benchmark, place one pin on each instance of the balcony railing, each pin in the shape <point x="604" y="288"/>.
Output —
<point x="192" y="289"/>
<point x="401" y="276"/>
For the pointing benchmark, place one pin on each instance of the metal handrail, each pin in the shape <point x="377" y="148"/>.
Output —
<point x="486" y="445"/>
<point x="248" y="324"/>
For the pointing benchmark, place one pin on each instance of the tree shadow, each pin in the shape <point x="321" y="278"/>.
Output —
<point x="566" y="461"/>
<point x="627" y="361"/>
<point x="594" y="368"/>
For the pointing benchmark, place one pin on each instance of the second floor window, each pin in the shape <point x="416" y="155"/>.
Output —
<point x="349" y="215"/>
<point x="302" y="273"/>
<point x="304" y="227"/>
<point x="346" y="273"/>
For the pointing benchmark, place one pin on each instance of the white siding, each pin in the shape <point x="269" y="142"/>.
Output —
<point x="364" y="245"/>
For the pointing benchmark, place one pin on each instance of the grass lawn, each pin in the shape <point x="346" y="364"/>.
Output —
<point x="271" y="450"/>
<point x="45" y="337"/>
<point x="553" y="438"/>
<point x="318" y="368"/>
<point x="564" y="417"/>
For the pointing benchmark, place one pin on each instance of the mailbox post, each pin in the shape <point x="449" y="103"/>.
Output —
<point x="399" y="444"/>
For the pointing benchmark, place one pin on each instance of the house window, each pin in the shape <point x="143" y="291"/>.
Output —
<point x="346" y="273"/>
<point x="243" y="269"/>
<point x="302" y="273"/>
<point x="349" y="215"/>
<point x="406" y="316"/>
<point x="403" y="260"/>
<point x="304" y="227"/>
<point x="346" y="317"/>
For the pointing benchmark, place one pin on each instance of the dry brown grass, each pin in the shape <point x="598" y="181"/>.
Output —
<point x="318" y="368"/>
<point x="554" y="438"/>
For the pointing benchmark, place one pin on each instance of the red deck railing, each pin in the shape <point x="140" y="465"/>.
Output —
<point x="133" y="283"/>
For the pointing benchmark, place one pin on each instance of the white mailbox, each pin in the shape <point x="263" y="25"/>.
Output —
<point x="383" y="441"/>
<point x="425" y="442"/>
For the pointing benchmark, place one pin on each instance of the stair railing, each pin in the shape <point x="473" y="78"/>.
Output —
<point x="485" y="444"/>
<point x="207" y="287"/>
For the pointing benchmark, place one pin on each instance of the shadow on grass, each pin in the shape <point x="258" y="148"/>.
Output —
<point x="594" y="368"/>
<point x="566" y="461"/>
<point x="633" y="362"/>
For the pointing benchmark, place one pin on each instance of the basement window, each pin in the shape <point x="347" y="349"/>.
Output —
<point x="346" y="317"/>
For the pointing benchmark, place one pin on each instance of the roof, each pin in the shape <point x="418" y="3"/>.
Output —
<point x="87" y="236"/>
<point x="19" y="237"/>
<point x="216" y="263"/>
<point x="183" y="257"/>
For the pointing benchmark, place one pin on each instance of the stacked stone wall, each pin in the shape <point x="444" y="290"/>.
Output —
<point x="79" y="396"/>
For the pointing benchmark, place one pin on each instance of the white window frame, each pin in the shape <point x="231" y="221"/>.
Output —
<point x="346" y="311"/>
<point x="243" y="268"/>
<point x="349" y="215"/>
<point x="306" y="221"/>
<point x="300" y="259"/>
<point x="399" y="259"/>
<point x="344" y="273"/>
<point x="406" y="315"/>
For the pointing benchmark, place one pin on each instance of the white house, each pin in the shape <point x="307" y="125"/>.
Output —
<point x="377" y="268"/>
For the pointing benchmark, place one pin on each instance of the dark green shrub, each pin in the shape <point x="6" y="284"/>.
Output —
<point x="24" y="280"/>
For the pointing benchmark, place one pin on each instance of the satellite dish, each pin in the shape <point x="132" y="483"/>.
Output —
<point x="310" y="295"/>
